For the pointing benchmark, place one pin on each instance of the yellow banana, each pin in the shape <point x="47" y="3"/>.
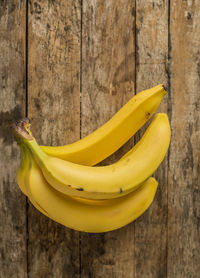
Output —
<point x="93" y="216"/>
<point x="21" y="172"/>
<point x="103" y="142"/>
<point x="21" y="178"/>
<point x="106" y="181"/>
<point x="113" y="134"/>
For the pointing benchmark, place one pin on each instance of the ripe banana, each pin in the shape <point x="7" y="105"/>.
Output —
<point x="21" y="172"/>
<point x="93" y="216"/>
<point x="86" y="151"/>
<point x="113" y="134"/>
<point x="21" y="178"/>
<point x="109" y="181"/>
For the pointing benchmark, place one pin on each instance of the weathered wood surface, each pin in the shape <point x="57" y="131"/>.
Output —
<point x="12" y="105"/>
<point x="108" y="75"/>
<point x="53" y="107"/>
<point x="151" y="64"/>
<point x="96" y="46"/>
<point x="184" y="163"/>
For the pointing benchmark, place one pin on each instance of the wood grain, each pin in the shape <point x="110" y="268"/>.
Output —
<point x="151" y="57"/>
<point x="12" y="106"/>
<point x="184" y="164"/>
<point x="108" y="79"/>
<point x="54" y="108"/>
<point x="93" y="45"/>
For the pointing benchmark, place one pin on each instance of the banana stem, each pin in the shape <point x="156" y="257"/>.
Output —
<point x="20" y="129"/>
<point x="36" y="151"/>
<point x="24" y="137"/>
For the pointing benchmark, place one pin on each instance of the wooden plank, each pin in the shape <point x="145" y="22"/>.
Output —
<point x="184" y="175"/>
<point x="12" y="106"/>
<point x="108" y="64"/>
<point x="54" y="108"/>
<point x="151" y="58"/>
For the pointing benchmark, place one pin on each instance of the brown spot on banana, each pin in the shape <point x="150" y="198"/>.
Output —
<point x="80" y="189"/>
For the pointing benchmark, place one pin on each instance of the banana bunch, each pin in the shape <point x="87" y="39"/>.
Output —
<point x="63" y="183"/>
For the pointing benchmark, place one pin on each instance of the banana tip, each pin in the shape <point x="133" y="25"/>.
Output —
<point x="165" y="88"/>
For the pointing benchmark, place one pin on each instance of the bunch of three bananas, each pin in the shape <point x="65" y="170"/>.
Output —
<point x="62" y="184"/>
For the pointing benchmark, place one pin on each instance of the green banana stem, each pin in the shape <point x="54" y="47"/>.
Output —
<point x="32" y="158"/>
<point x="24" y="137"/>
<point x="36" y="151"/>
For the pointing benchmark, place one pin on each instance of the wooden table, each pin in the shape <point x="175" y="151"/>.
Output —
<point x="69" y="66"/>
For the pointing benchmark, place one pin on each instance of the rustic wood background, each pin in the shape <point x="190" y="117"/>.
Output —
<point x="69" y="66"/>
